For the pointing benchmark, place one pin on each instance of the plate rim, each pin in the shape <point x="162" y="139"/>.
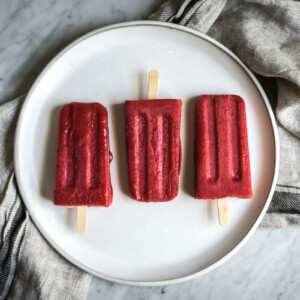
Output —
<point x="151" y="282"/>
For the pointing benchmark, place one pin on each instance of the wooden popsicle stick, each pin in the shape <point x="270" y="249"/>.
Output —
<point x="223" y="211"/>
<point x="81" y="219"/>
<point x="153" y="84"/>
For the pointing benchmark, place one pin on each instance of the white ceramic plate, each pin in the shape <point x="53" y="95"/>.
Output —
<point x="132" y="242"/>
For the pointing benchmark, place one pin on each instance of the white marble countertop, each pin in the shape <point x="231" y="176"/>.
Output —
<point x="31" y="33"/>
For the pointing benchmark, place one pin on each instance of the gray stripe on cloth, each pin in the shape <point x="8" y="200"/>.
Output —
<point x="279" y="220"/>
<point x="12" y="235"/>
<point x="9" y="112"/>
<point x="283" y="202"/>
<point x="199" y="15"/>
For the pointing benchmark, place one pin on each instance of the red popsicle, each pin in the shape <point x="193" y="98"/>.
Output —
<point x="83" y="157"/>
<point x="222" y="162"/>
<point x="153" y="148"/>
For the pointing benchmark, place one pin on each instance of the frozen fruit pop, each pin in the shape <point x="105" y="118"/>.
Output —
<point x="153" y="148"/>
<point x="221" y="148"/>
<point x="83" y="157"/>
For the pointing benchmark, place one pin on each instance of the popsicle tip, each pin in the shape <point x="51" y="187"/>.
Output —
<point x="224" y="223"/>
<point x="154" y="72"/>
<point x="153" y="85"/>
<point x="80" y="231"/>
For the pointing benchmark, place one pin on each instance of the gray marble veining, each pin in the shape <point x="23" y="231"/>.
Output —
<point x="267" y="267"/>
<point x="31" y="33"/>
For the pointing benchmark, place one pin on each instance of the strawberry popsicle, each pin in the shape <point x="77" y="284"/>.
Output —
<point x="153" y="148"/>
<point x="222" y="163"/>
<point x="83" y="157"/>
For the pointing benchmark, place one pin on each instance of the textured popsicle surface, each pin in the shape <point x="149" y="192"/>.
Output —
<point x="153" y="148"/>
<point x="222" y="166"/>
<point x="83" y="157"/>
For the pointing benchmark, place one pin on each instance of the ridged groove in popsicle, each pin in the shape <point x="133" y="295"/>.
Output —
<point x="93" y="163"/>
<point x="212" y="135"/>
<point x="234" y="139"/>
<point x="142" y="155"/>
<point x="167" y="134"/>
<point x="156" y="150"/>
<point x="69" y="149"/>
<point x="244" y="157"/>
